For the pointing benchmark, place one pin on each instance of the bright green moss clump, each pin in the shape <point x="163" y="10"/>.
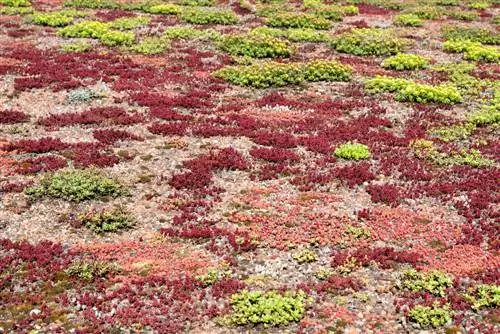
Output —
<point x="267" y="308"/>
<point x="76" y="185"/>
<point x="430" y="316"/>
<point x="111" y="220"/>
<point x="298" y="20"/>
<point x="255" y="46"/>
<point x="326" y="70"/>
<point x="434" y="281"/>
<point x="473" y="50"/>
<point x="273" y="74"/>
<point x="89" y="270"/>
<point x="15" y="3"/>
<point x="98" y="30"/>
<point x="409" y="91"/>
<point x="150" y="46"/>
<point x="408" y="20"/>
<point x="484" y="296"/>
<point x="484" y="36"/>
<point x="55" y="19"/>
<point x="369" y="42"/>
<point x="402" y="61"/>
<point x="352" y="151"/>
<point x="208" y="16"/>
<point x="165" y="9"/>
<point x="128" y="23"/>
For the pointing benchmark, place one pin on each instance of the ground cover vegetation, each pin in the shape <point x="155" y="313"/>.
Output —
<point x="260" y="166"/>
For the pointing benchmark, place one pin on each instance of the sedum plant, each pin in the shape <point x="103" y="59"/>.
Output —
<point x="107" y="220"/>
<point x="326" y="70"/>
<point x="76" y="185"/>
<point x="267" y="308"/>
<point x="484" y="296"/>
<point x="55" y="19"/>
<point x="480" y="35"/>
<point x="208" y="16"/>
<point x="433" y="281"/>
<point x="90" y="270"/>
<point x="259" y="46"/>
<point x="271" y="74"/>
<point x="298" y="20"/>
<point x="369" y="42"/>
<point x="430" y="316"/>
<point x="409" y="91"/>
<point x="408" y="20"/>
<point x="165" y="9"/>
<point x="129" y="23"/>
<point x="402" y="61"/>
<point x="352" y="151"/>
<point x="150" y="45"/>
<point x="80" y="46"/>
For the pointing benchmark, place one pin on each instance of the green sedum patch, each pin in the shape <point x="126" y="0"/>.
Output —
<point x="369" y="42"/>
<point x="165" y="9"/>
<point x="433" y="281"/>
<point x="90" y="270"/>
<point x="402" y="61"/>
<point x="98" y="30"/>
<point x="267" y="308"/>
<point x="76" y="185"/>
<point x="208" y="16"/>
<point x="15" y="3"/>
<point x="430" y="316"/>
<point x="352" y="151"/>
<point x="480" y="35"/>
<point x="129" y="23"/>
<point x="255" y="46"/>
<point x="305" y="256"/>
<point x="272" y="74"/>
<point x="9" y="11"/>
<point x="110" y="220"/>
<point x="55" y="19"/>
<point x="408" y="20"/>
<point x="425" y="149"/>
<point x="298" y="20"/>
<point x="409" y="91"/>
<point x="150" y="46"/>
<point x="326" y="70"/>
<point x="80" y="46"/>
<point x="453" y="132"/>
<point x="473" y="50"/>
<point x="484" y="296"/>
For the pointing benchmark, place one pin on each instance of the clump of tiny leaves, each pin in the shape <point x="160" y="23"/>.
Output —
<point x="484" y="296"/>
<point x="435" y="282"/>
<point x="128" y="23"/>
<point x="425" y="149"/>
<point x="268" y="308"/>
<point x="352" y="151"/>
<point x="208" y="16"/>
<point x="80" y="46"/>
<point x="293" y="34"/>
<point x="165" y="9"/>
<point x="408" y="20"/>
<point x="15" y="3"/>
<point x="90" y="270"/>
<point x="369" y="42"/>
<point x="271" y="74"/>
<point x="430" y="316"/>
<point x="403" y="61"/>
<point x="298" y="20"/>
<point x="305" y="256"/>
<point x="15" y="10"/>
<point x="76" y="185"/>
<point x="255" y="46"/>
<point x="409" y="91"/>
<point x="55" y="19"/>
<point x="473" y="50"/>
<point x="107" y="220"/>
<point x="98" y="30"/>
<point x="150" y="45"/>
<point x="480" y="35"/>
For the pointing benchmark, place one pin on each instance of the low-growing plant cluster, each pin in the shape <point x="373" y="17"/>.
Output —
<point x="267" y="308"/>
<point x="255" y="46"/>
<point x="298" y="20"/>
<point x="76" y="185"/>
<point x="369" y="42"/>
<point x="409" y="91"/>
<point x="473" y="50"/>
<point x="352" y="151"/>
<point x="98" y="30"/>
<point x="402" y="61"/>
<point x="107" y="220"/>
<point x="272" y="74"/>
